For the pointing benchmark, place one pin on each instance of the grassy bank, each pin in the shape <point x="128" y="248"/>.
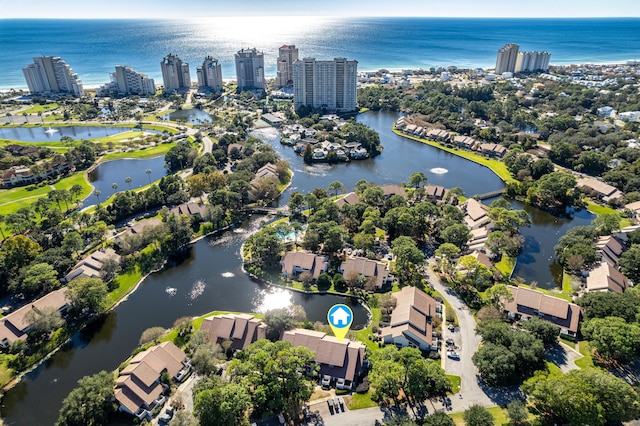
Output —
<point x="154" y="151"/>
<point x="496" y="166"/>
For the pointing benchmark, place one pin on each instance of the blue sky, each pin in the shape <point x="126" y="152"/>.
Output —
<point x="213" y="8"/>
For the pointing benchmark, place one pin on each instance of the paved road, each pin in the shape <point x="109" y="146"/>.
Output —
<point x="465" y="337"/>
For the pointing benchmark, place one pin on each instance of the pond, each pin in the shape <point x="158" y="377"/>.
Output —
<point x="191" y="116"/>
<point x="538" y="260"/>
<point x="54" y="134"/>
<point x="209" y="279"/>
<point x="116" y="171"/>
<point x="400" y="158"/>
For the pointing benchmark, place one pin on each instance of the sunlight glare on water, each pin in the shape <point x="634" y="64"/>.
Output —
<point x="256" y="31"/>
<point x="269" y="299"/>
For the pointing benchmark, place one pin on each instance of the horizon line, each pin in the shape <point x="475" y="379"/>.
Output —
<point x="97" y="18"/>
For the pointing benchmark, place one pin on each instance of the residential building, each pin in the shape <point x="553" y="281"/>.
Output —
<point x="528" y="303"/>
<point x="126" y="81"/>
<point x="210" y="75"/>
<point x="50" y="74"/>
<point x="296" y="262"/>
<point x="435" y="193"/>
<point x="339" y="361"/>
<point x="492" y="150"/>
<point x="610" y="249"/>
<point x="91" y="266"/>
<point x="138" y="388"/>
<point x="241" y="330"/>
<point x="391" y="189"/>
<point x="287" y="55"/>
<point x="532" y="61"/>
<point x="507" y="57"/>
<point x="634" y="207"/>
<point x="274" y="120"/>
<point x="250" y="69"/>
<point x="605" y="277"/>
<point x="476" y="214"/>
<point x="632" y="116"/>
<point x="16" y="325"/>
<point x="606" y="192"/>
<point x="175" y="73"/>
<point x="196" y="209"/>
<point x="411" y="321"/>
<point x="351" y="198"/>
<point x="268" y="170"/>
<point x="329" y="86"/>
<point x="378" y="272"/>
<point x="20" y="175"/>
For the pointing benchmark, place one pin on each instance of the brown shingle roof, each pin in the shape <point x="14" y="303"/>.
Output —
<point x="338" y="359"/>
<point x="557" y="311"/>
<point x="606" y="277"/>
<point x="367" y="268"/>
<point x="304" y="260"/>
<point x="242" y="329"/>
<point x="412" y="315"/>
<point x="390" y="189"/>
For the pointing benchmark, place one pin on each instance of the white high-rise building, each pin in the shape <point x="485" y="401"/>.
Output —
<point x="210" y="74"/>
<point x="325" y="85"/>
<point x="507" y="56"/>
<point x="130" y="81"/>
<point x="175" y="73"/>
<point x="532" y="61"/>
<point x="250" y="69"/>
<point x="50" y="74"/>
<point x="287" y="55"/>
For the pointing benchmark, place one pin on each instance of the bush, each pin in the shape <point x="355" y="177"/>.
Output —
<point x="363" y="386"/>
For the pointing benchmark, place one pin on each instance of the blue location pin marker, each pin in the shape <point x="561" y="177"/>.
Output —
<point x="340" y="318"/>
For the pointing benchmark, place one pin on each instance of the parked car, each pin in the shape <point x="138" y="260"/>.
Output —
<point x="453" y="355"/>
<point x="341" y="400"/>
<point x="326" y="381"/>
<point x="451" y="328"/>
<point x="330" y="402"/>
<point x="336" y="403"/>
<point x="450" y="342"/>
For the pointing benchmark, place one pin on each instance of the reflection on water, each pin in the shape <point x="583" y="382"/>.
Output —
<point x="272" y="298"/>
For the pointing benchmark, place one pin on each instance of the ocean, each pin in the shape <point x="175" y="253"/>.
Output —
<point x="94" y="47"/>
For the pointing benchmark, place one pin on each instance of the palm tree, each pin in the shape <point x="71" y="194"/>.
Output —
<point x="76" y="190"/>
<point x="148" y="172"/>
<point x="97" y="194"/>
<point x="114" y="186"/>
<point x="128" y="181"/>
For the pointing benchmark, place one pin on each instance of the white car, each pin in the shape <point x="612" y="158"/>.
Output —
<point x="453" y="355"/>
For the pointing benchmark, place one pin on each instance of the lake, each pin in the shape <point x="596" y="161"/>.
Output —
<point x="191" y="116"/>
<point x="54" y="134"/>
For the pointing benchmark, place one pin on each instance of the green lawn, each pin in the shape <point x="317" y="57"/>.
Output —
<point x="599" y="209"/>
<point x="506" y="266"/>
<point x="77" y="178"/>
<point x="125" y="283"/>
<point x="361" y="400"/>
<point x="456" y="382"/>
<point x="556" y="292"/>
<point x="496" y="166"/>
<point x="585" y="350"/>
<point x="155" y="151"/>
<point x="363" y="335"/>
<point x="34" y="109"/>
<point x="499" y="414"/>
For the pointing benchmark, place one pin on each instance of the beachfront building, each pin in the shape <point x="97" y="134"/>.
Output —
<point x="532" y="61"/>
<point x="287" y="55"/>
<point x="507" y="57"/>
<point x="50" y="74"/>
<point x="127" y="81"/>
<point x="175" y="73"/>
<point x="329" y="86"/>
<point x="250" y="69"/>
<point x="210" y="74"/>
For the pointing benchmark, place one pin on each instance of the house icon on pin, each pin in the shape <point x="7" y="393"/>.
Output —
<point x="340" y="317"/>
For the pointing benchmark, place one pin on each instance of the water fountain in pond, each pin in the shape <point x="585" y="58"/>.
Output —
<point x="439" y="170"/>
<point x="51" y="131"/>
